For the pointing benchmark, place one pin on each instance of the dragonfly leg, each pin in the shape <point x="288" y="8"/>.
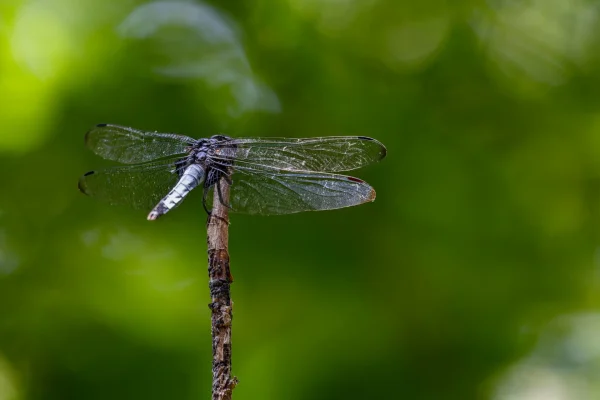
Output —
<point x="223" y="171"/>
<point x="204" y="195"/>
<point x="221" y="194"/>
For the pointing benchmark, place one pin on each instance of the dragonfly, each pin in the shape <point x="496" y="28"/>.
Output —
<point x="266" y="176"/>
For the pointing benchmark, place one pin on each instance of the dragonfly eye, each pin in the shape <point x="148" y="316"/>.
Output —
<point x="220" y="137"/>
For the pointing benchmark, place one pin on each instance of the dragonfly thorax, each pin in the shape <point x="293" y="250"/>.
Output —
<point x="204" y="149"/>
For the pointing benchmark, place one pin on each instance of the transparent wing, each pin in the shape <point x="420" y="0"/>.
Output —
<point x="140" y="186"/>
<point x="324" y="154"/>
<point x="131" y="146"/>
<point x="264" y="193"/>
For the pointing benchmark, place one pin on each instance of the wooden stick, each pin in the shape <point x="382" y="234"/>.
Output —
<point x="220" y="280"/>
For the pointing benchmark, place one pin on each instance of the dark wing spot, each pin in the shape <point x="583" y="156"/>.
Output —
<point x="82" y="184"/>
<point x="353" y="179"/>
<point x="382" y="150"/>
<point x="101" y="125"/>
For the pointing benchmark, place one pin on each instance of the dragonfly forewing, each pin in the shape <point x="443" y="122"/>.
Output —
<point x="323" y="154"/>
<point x="132" y="146"/>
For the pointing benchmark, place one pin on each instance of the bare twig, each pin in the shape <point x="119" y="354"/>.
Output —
<point x="220" y="280"/>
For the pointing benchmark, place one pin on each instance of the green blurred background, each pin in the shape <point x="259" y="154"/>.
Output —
<point x="474" y="275"/>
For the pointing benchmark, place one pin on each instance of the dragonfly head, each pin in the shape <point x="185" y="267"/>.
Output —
<point x="220" y="138"/>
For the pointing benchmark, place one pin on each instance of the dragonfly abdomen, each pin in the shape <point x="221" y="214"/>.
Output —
<point x="191" y="177"/>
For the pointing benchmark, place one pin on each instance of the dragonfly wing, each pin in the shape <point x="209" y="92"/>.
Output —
<point x="140" y="186"/>
<point x="324" y="154"/>
<point x="132" y="146"/>
<point x="285" y="192"/>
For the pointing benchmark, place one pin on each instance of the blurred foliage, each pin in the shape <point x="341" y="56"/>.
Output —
<point x="475" y="274"/>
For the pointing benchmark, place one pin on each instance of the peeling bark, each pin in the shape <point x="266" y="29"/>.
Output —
<point x="220" y="280"/>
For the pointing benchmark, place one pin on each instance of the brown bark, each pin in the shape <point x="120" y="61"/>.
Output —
<point x="220" y="280"/>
